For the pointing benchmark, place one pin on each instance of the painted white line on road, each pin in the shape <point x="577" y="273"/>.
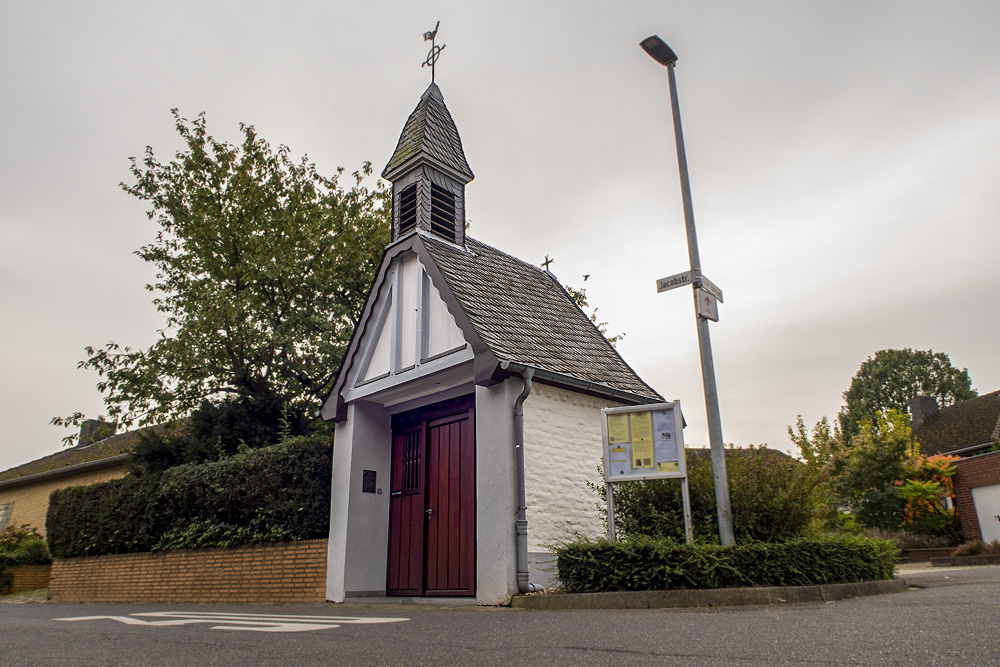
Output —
<point x="248" y="622"/>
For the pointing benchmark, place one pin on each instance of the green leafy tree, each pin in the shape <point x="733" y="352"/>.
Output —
<point x="579" y="297"/>
<point x="865" y="476"/>
<point x="891" y="378"/>
<point x="262" y="268"/>
<point x="819" y="448"/>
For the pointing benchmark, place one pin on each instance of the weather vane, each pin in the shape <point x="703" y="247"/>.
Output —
<point x="435" y="52"/>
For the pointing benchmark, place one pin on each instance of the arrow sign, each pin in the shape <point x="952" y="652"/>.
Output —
<point x="708" y="307"/>
<point x="674" y="281"/>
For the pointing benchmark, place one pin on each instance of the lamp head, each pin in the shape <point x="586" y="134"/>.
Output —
<point x="658" y="50"/>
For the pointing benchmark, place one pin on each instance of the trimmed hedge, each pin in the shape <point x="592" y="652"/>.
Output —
<point x="646" y="564"/>
<point x="273" y="494"/>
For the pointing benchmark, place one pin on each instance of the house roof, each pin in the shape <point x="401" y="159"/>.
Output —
<point x="430" y="133"/>
<point x="109" y="450"/>
<point x="525" y="316"/>
<point x="962" y="426"/>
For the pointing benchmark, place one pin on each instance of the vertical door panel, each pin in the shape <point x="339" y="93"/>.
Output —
<point x="404" y="575"/>
<point x="451" y="496"/>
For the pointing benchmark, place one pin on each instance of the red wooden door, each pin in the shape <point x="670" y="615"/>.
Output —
<point x="451" y="502"/>
<point x="432" y="507"/>
<point x="406" y="513"/>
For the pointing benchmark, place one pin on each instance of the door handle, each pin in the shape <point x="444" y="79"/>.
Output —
<point x="429" y="512"/>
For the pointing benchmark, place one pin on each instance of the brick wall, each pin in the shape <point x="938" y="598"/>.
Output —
<point x="31" y="501"/>
<point x="289" y="572"/>
<point x="27" y="578"/>
<point x="972" y="472"/>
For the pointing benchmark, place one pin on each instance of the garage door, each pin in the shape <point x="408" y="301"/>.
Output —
<point x="987" y="501"/>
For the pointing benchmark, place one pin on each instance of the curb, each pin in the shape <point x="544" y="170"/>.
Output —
<point x="717" y="597"/>
<point x="965" y="560"/>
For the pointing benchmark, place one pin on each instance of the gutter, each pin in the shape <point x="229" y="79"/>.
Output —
<point x="583" y="385"/>
<point x="63" y="472"/>
<point x="963" y="450"/>
<point x="523" y="584"/>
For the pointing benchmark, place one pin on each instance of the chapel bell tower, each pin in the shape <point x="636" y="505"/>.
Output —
<point x="428" y="172"/>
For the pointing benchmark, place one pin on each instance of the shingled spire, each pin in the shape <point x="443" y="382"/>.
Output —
<point x="428" y="172"/>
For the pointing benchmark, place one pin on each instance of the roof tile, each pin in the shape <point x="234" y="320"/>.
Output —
<point x="430" y="131"/>
<point x="966" y="424"/>
<point x="524" y="315"/>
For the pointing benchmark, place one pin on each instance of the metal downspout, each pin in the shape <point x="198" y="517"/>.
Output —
<point x="523" y="584"/>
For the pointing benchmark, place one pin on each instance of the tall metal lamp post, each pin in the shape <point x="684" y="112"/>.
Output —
<point x="705" y="294"/>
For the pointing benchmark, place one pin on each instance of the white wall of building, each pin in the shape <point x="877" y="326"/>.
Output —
<point x="359" y="522"/>
<point x="496" y="491"/>
<point x="562" y="449"/>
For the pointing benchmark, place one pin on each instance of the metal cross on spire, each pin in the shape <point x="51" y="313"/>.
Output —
<point x="545" y="264"/>
<point x="435" y="52"/>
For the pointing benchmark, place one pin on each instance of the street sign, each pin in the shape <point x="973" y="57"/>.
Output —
<point x="708" y="306"/>
<point x="674" y="281"/>
<point x="711" y="288"/>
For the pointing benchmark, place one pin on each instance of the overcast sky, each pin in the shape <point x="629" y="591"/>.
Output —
<point x="844" y="160"/>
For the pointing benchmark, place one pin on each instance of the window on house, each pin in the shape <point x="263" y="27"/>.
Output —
<point x="5" y="511"/>
<point x="443" y="212"/>
<point x="408" y="209"/>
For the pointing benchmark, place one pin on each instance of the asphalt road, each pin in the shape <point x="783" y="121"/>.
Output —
<point x="952" y="619"/>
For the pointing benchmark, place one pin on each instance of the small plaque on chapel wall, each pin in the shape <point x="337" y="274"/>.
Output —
<point x="368" y="482"/>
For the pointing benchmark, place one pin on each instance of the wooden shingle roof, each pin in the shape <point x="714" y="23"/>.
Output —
<point x="430" y="133"/>
<point x="962" y="426"/>
<point x="525" y="316"/>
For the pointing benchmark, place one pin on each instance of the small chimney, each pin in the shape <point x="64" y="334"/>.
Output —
<point x="95" y="430"/>
<point x="922" y="410"/>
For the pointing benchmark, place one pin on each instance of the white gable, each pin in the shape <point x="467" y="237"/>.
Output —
<point x="412" y="325"/>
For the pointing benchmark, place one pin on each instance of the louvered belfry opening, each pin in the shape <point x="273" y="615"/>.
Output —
<point x="429" y="173"/>
<point x="408" y="209"/>
<point x="443" y="213"/>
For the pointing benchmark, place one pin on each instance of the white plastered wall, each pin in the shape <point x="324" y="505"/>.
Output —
<point x="359" y="522"/>
<point x="496" y="490"/>
<point x="562" y="449"/>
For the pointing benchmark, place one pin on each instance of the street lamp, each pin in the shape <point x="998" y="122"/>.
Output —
<point x="703" y="289"/>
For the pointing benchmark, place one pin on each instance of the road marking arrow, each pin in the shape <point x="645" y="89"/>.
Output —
<point x="247" y="622"/>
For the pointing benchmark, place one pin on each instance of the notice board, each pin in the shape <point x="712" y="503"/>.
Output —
<point x="644" y="442"/>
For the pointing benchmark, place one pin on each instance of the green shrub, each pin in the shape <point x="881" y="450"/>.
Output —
<point x="773" y="497"/>
<point x="23" y="546"/>
<point x="978" y="548"/>
<point x="645" y="563"/>
<point x="278" y="493"/>
<point x="20" y="546"/>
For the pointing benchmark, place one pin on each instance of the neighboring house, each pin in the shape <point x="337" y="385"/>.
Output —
<point x="464" y="360"/>
<point x="967" y="429"/>
<point x="25" y="489"/>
